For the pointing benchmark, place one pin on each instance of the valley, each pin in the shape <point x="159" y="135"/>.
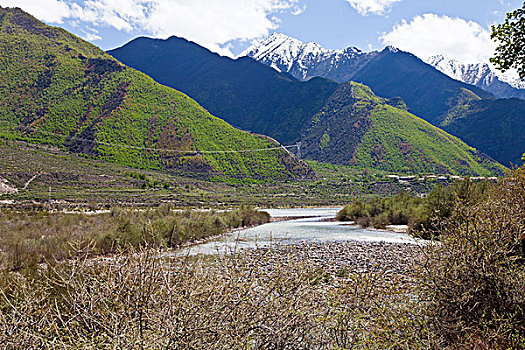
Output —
<point x="428" y="92"/>
<point x="78" y="181"/>
<point x="161" y="195"/>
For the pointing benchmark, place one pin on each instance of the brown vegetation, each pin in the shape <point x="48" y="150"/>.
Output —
<point x="464" y="292"/>
<point x="475" y="277"/>
<point x="30" y="237"/>
<point x="145" y="299"/>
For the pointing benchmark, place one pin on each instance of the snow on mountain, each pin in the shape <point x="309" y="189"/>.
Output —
<point x="512" y="78"/>
<point x="473" y="74"/>
<point x="286" y="54"/>
<point x="482" y="75"/>
<point x="287" y="49"/>
<point x="308" y="60"/>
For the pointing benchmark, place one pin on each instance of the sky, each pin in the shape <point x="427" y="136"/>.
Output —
<point x="459" y="29"/>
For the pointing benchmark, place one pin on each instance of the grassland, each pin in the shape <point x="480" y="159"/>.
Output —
<point x="29" y="237"/>
<point x="84" y="181"/>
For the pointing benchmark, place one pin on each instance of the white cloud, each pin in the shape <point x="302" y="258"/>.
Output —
<point x="90" y="34"/>
<point x="47" y="10"/>
<point x="214" y="23"/>
<point x="431" y="34"/>
<point x="299" y="10"/>
<point x="376" y="7"/>
<point x="92" y="37"/>
<point x="120" y="14"/>
<point x="210" y="23"/>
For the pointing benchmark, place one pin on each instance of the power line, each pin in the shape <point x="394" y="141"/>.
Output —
<point x="152" y="148"/>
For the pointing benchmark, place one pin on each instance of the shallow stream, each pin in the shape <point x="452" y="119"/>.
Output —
<point x="312" y="227"/>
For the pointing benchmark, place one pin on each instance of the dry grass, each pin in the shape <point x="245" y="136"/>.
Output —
<point x="468" y="296"/>
<point x="32" y="237"/>
<point x="146" y="299"/>
<point x="475" y="279"/>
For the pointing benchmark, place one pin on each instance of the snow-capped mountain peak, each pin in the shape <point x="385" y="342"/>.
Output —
<point x="308" y="60"/>
<point x="283" y="51"/>
<point x="285" y="46"/>
<point x="391" y="48"/>
<point x="482" y="75"/>
<point x="473" y="74"/>
<point x="291" y="55"/>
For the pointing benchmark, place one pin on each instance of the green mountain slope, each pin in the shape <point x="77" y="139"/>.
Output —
<point x="495" y="127"/>
<point x="253" y="96"/>
<point x="245" y="93"/>
<point x="56" y="88"/>
<point x="358" y="128"/>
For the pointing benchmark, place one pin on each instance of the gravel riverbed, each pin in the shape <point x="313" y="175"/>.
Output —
<point x="338" y="259"/>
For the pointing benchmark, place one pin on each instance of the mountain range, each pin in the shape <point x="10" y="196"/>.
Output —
<point x="58" y="89"/>
<point x="482" y="75"/>
<point x="355" y="127"/>
<point x="390" y="72"/>
<point x="335" y="123"/>
<point x="462" y="109"/>
<point x="247" y="94"/>
<point x="307" y="60"/>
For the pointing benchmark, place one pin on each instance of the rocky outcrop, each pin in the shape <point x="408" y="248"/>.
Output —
<point x="6" y="188"/>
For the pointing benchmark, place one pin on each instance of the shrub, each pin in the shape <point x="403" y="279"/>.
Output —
<point x="30" y="237"/>
<point x="352" y="212"/>
<point x="148" y="299"/>
<point x="423" y="215"/>
<point x="476" y="279"/>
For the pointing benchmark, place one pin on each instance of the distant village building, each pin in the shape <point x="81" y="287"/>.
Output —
<point x="407" y="178"/>
<point x="478" y="178"/>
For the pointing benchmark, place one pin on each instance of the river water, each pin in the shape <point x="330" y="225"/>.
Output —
<point x="312" y="228"/>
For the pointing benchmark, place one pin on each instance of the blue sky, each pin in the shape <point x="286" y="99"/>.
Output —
<point x="335" y="24"/>
<point x="458" y="28"/>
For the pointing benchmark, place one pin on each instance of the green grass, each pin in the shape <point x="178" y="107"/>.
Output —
<point x="77" y="180"/>
<point x="410" y="143"/>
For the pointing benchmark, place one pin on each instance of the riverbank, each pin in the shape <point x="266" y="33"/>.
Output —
<point x="340" y="259"/>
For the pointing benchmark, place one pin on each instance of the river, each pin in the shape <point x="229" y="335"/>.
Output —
<point x="312" y="227"/>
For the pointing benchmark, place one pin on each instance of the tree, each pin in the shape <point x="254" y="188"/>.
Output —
<point x="511" y="38"/>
